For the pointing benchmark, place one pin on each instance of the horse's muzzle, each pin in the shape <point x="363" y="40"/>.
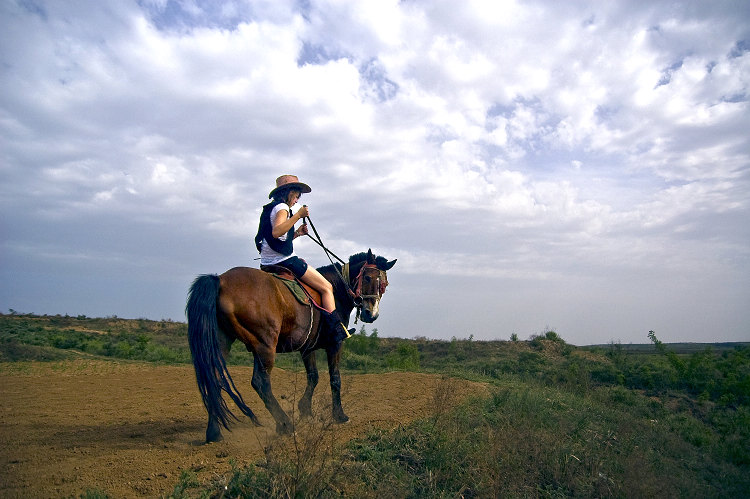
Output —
<point x="368" y="316"/>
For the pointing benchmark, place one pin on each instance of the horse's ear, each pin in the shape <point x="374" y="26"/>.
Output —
<point x="370" y="258"/>
<point x="390" y="264"/>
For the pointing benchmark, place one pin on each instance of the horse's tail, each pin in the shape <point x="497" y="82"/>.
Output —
<point x="210" y="367"/>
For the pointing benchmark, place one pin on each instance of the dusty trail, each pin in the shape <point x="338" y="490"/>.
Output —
<point x="130" y="429"/>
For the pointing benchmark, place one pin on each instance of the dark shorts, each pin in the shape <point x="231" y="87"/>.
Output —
<point x="296" y="264"/>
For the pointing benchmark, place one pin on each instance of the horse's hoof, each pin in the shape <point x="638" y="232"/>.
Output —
<point x="285" y="429"/>
<point x="213" y="433"/>
<point x="214" y="438"/>
<point x="340" y="418"/>
<point x="305" y="411"/>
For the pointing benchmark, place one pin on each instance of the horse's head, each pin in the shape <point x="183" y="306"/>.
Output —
<point x="370" y="283"/>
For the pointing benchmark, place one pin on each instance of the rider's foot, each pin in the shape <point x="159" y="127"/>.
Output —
<point x="342" y="333"/>
<point x="335" y="325"/>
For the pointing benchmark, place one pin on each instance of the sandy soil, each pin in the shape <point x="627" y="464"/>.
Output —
<point x="130" y="429"/>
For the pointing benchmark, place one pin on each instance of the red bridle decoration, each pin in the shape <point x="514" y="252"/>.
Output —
<point x="382" y="283"/>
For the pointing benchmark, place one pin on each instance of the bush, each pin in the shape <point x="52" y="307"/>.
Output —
<point x="361" y="344"/>
<point x="406" y="356"/>
<point x="530" y="362"/>
<point x="165" y="342"/>
<point x="357" y="362"/>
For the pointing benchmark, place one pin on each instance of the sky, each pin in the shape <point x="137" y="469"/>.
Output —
<point x="576" y="166"/>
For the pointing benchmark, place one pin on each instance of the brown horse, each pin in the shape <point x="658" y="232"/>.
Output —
<point x="259" y="310"/>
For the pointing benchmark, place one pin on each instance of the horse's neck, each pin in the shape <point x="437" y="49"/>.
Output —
<point x="344" y="303"/>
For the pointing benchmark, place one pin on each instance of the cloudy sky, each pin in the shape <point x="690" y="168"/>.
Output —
<point x="582" y="166"/>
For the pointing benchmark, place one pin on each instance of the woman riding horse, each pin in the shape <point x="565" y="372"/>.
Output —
<point x="259" y="310"/>
<point x="274" y="242"/>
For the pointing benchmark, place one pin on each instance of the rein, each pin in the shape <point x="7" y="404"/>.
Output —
<point x="356" y="295"/>
<point x="319" y="242"/>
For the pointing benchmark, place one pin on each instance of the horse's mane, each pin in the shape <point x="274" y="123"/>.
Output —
<point x="380" y="261"/>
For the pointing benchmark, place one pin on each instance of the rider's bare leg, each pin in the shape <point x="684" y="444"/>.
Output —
<point x="322" y="286"/>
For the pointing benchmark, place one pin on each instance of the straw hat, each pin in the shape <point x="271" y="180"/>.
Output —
<point x="289" y="181"/>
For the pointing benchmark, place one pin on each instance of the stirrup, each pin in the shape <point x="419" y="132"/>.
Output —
<point x="347" y="332"/>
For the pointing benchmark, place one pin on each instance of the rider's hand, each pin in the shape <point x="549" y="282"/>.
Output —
<point x="303" y="212"/>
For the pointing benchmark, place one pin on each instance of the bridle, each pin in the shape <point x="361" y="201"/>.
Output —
<point x="356" y="293"/>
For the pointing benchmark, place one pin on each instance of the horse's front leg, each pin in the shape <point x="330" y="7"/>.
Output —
<point x="334" y="354"/>
<point x="305" y="403"/>
<point x="261" y="381"/>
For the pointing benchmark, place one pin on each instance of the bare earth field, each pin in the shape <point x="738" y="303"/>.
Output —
<point x="130" y="429"/>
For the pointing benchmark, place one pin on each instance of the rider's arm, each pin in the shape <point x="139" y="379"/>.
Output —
<point x="282" y="224"/>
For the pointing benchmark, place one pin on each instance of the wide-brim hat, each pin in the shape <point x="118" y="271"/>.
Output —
<point x="290" y="181"/>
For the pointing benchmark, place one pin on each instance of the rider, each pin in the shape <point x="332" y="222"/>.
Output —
<point x="274" y="242"/>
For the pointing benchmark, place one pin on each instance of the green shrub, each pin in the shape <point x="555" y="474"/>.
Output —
<point x="357" y="362"/>
<point x="406" y="356"/>
<point x="530" y="362"/>
<point x="188" y="480"/>
<point x="361" y="344"/>
<point x="165" y="342"/>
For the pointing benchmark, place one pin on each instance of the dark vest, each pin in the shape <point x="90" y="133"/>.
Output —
<point x="265" y="228"/>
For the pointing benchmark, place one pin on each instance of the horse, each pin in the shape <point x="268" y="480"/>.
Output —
<point x="255" y="307"/>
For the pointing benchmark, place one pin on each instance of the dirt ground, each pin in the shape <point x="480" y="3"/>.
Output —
<point x="130" y="429"/>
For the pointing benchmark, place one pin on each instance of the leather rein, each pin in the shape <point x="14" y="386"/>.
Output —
<point x="355" y="294"/>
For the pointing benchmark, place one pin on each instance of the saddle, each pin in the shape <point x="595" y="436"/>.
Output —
<point x="301" y="291"/>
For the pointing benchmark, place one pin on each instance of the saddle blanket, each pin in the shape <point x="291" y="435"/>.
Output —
<point x="295" y="288"/>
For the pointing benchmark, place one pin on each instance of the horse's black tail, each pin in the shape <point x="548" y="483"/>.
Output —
<point x="210" y="368"/>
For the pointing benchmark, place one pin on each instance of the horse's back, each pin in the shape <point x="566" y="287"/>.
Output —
<point x="255" y="299"/>
<point x="244" y="285"/>
<point x="241" y="276"/>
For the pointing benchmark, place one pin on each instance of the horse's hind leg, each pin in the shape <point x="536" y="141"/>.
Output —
<point x="262" y="383"/>
<point x="213" y="430"/>
<point x="305" y="403"/>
